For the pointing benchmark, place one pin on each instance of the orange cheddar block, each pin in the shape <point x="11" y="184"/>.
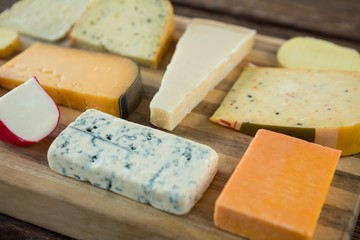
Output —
<point x="278" y="189"/>
<point x="78" y="79"/>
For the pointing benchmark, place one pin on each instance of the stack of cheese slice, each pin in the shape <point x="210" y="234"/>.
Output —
<point x="78" y="79"/>
<point x="205" y="54"/>
<point x="147" y="165"/>
<point x="321" y="106"/>
<point x="48" y="20"/>
<point x="141" y="30"/>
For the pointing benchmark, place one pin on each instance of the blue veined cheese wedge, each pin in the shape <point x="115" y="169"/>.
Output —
<point x="147" y="165"/>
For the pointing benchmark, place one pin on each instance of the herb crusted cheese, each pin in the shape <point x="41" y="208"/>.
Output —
<point x="139" y="29"/>
<point x="147" y="165"/>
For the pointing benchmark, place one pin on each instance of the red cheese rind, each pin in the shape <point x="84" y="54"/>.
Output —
<point x="7" y="136"/>
<point x="278" y="189"/>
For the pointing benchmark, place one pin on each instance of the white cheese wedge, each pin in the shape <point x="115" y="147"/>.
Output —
<point x="44" y="19"/>
<point x="204" y="55"/>
<point x="27" y="114"/>
<point x="147" y="165"/>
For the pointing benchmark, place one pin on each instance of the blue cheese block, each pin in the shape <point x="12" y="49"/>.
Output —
<point x="147" y="165"/>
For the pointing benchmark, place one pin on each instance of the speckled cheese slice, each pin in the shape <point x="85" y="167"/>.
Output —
<point x="321" y="106"/>
<point x="48" y="20"/>
<point x="78" y="79"/>
<point x="139" y="29"/>
<point x="205" y="54"/>
<point x="147" y="165"/>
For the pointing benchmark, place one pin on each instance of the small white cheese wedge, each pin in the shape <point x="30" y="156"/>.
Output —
<point x="27" y="114"/>
<point x="204" y="55"/>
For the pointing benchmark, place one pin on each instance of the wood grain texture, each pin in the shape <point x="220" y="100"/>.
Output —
<point x="337" y="21"/>
<point x="32" y="192"/>
<point x="25" y="230"/>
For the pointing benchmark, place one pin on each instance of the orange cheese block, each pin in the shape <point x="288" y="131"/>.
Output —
<point x="78" y="79"/>
<point x="278" y="189"/>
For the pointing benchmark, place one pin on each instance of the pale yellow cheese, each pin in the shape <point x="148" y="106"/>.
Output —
<point x="9" y="41"/>
<point x="44" y="19"/>
<point x="138" y="29"/>
<point x="312" y="53"/>
<point x="321" y="106"/>
<point x="76" y="78"/>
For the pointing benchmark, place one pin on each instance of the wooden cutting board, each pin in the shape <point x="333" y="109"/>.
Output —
<point x="31" y="191"/>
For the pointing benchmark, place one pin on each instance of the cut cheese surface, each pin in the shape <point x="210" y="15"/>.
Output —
<point x="9" y="41"/>
<point x="78" y="79"/>
<point x="205" y="54"/>
<point x="278" y="189"/>
<point x="48" y="20"/>
<point x="28" y="114"/>
<point x="312" y="53"/>
<point x="147" y="165"/>
<point x="139" y="29"/>
<point x="316" y="105"/>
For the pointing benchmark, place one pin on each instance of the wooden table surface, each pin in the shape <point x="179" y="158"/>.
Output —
<point x="337" y="21"/>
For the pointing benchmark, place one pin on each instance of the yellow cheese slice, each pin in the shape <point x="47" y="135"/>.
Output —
<point x="312" y="53"/>
<point x="78" y="79"/>
<point x="278" y="189"/>
<point x="9" y="41"/>
<point x="321" y="106"/>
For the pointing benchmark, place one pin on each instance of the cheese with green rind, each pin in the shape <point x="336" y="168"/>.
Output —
<point x="47" y="20"/>
<point x="303" y="133"/>
<point x="316" y="105"/>
<point x="138" y="29"/>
